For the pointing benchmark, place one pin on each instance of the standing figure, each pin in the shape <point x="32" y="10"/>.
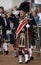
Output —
<point x="1" y="27"/>
<point x="21" y="30"/>
<point x="5" y="46"/>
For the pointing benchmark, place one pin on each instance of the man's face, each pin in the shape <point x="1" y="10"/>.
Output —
<point x="22" y="13"/>
<point x="1" y="11"/>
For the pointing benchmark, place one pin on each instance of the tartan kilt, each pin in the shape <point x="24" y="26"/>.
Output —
<point x="17" y="42"/>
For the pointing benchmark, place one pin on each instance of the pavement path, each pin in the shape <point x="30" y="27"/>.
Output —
<point x="11" y="60"/>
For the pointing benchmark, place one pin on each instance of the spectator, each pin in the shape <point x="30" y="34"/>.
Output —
<point x="5" y="47"/>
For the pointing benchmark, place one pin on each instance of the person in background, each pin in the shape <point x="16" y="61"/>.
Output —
<point x="39" y="14"/>
<point x="4" y="22"/>
<point x="13" y="25"/>
<point x="1" y="10"/>
<point x="35" y="15"/>
<point x="5" y="25"/>
<point x="32" y="32"/>
<point x="12" y="28"/>
<point x="1" y="28"/>
<point x="15" y="20"/>
<point x="1" y="39"/>
<point x="32" y="29"/>
<point x="5" y="46"/>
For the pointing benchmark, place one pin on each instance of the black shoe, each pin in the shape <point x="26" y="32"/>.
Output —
<point x="27" y="62"/>
<point x="22" y="55"/>
<point x="7" y="52"/>
<point x="31" y="58"/>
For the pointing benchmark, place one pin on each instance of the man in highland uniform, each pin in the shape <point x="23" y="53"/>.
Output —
<point x="21" y="31"/>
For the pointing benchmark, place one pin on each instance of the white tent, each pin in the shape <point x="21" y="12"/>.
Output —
<point x="37" y="1"/>
<point x="7" y="4"/>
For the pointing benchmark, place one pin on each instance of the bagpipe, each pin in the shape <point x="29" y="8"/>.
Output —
<point x="22" y="34"/>
<point x="23" y="23"/>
